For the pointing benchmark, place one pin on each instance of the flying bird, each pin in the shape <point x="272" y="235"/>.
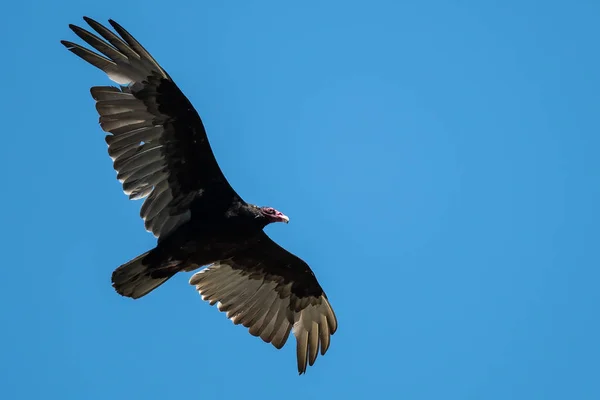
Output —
<point x="161" y="153"/>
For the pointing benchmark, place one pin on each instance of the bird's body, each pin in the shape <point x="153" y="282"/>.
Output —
<point x="194" y="244"/>
<point x="160" y="151"/>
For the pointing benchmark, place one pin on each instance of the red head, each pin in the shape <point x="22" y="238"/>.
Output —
<point x="272" y="215"/>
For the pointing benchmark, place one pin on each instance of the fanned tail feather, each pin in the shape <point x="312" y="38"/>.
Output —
<point x="140" y="276"/>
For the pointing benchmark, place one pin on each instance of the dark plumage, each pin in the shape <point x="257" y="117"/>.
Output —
<point x="161" y="152"/>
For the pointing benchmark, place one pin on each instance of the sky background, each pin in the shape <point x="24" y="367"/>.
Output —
<point x="438" y="161"/>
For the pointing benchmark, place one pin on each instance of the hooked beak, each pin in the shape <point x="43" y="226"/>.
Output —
<point x="284" y="218"/>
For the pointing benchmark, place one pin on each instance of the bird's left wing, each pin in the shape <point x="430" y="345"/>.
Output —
<point x="157" y="140"/>
<point x="271" y="291"/>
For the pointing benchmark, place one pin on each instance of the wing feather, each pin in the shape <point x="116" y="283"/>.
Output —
<point x="271" y="292"/>
<point x="156" y="139"/>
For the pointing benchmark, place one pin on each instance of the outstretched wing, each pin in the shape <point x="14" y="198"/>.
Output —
<point x="157" y="141"/>
<point x="270" y="291"/>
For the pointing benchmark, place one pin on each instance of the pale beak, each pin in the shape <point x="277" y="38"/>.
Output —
<point x="284" y="218"/>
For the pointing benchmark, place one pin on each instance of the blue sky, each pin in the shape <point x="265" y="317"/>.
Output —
<point x="438" y="161"/>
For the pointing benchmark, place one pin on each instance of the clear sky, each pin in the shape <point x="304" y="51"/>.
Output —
<point x="438" y="161"/>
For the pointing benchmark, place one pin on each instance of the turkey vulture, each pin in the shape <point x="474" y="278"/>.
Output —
<point x="161" y="152"/>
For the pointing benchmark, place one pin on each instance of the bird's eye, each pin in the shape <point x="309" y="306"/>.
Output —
<point x="270" y="211"/>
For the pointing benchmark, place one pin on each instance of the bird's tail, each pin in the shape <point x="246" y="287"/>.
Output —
<point x="141" y="275"/>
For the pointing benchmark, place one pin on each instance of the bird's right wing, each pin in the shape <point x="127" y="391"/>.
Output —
<point x="157" y="141"/>
<point x="270" y="291"/>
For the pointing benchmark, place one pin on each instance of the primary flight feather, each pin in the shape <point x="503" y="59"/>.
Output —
<point x="161" y="152"/>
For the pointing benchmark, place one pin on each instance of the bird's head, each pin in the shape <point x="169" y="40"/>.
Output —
<point x="272" y="215"/>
